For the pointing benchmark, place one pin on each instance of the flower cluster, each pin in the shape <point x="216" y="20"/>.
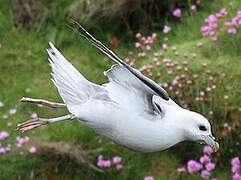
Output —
<point x="236" y="166"/>
<point x="219" y="22"/>
<point x="145" y="43"/>
<point x="108" y="163"/>
<point x="234" y="23"/>
<point x="21" y="143"/>
<point x="205" y="166"/>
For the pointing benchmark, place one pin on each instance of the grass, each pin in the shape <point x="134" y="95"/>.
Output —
<point x="25" y="72"/>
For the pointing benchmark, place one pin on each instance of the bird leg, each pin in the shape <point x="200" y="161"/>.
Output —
<point x="42" y="102"/>
<point x="37" y="122"/>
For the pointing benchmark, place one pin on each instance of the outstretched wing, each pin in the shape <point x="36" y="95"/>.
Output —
<point x="72" y="86"/>
<point x="127" y="85"/>
<point x="152" y="86"/>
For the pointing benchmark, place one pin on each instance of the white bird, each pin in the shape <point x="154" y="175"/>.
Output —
<point x="131" y="109"/>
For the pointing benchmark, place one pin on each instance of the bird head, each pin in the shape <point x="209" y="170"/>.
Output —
<point x="198" y="129"/>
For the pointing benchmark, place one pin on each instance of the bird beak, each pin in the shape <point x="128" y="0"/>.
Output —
<point x="210" y="140"/>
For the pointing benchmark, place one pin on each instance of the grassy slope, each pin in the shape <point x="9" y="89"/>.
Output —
<point x="24" y="66"/>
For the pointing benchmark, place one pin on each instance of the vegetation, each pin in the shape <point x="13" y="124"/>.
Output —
<point x="25" y="72"/>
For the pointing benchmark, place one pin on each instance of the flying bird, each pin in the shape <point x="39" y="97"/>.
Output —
<point x="131" y="109"/>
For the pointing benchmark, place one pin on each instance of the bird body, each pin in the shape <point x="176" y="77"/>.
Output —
<point x="130" y="109"/>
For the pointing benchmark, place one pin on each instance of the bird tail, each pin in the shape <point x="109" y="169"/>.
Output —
<point x="72" y="86"/>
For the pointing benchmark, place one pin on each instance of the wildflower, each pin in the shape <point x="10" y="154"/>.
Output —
<point x="138" y="35"/>
<point x="193" y="166"/>
<point x="4" y="135"/>
<point x="193" y="8"/>
<point x="236" y="176"/>
<point x="137" y="45"/>
<point x="226" y="97"/>
<point x="164" y="46"/>
<point x="181" y="169"/>
<point x="20" y="142"/>
<point x="212" y="20"/>
<point x="210" y="166"/>
<point x="32" y="150"/>
<point x="149" y="178"/>
<point x="232" y="30"/>
<point x="204" y="159"/>
<point x="222" y="13"/>
<point x="235" y="161"/>
<point x="207" y="150"/>
<point x="199" y="44"/>
<point x="34" y="115"/>
<point x="2" y="150"/>
<point x="205" y="174"/>
<point x="119" y="167"/>
<point x="235" y="168"/>
<point x="116" y="160"/>
<point x="177" y="13"/>
<point x="214" y="38"/>
<point x="12" y="111"/>
<point x="166" y="29"/>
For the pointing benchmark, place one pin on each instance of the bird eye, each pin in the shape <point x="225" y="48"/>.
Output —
<point x="202" y="128"/>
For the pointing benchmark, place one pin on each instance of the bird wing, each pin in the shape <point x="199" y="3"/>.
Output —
<point x="127" y="84"/>
<point x="72" y="86"/>
<point x="129" y="91"/>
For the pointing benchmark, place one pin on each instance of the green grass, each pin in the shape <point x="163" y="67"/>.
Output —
<point x="25" y="72"/>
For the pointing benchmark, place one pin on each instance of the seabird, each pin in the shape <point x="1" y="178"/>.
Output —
<point x="131" y="109"/>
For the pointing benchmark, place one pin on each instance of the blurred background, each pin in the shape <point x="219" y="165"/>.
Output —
<point x="191" y="47"/>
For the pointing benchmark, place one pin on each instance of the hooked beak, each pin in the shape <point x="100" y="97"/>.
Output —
<point x="210" y="140"/>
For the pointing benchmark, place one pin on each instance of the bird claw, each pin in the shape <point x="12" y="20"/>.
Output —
<point x="31" y="124"/>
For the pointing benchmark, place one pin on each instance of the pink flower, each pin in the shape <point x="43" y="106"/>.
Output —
<point x="116" y="160"/>
<point x="177" y="13"/>
<point x="193" y="166"/>
<point x="166" y="29"/>
<point x="214" y="38"/>
<point x="204" y="159"/>
<point x="235" y="161"/>
<point x="210" y="166"/>
<point x="32" y="150"/>
<point x="235" y="168"/>
<point x="193" y="7"/>
<point x="119" y="167"/>
<point x="2" y="150"/>
<point x="232" y="30"/>
<point x="205" y="174"/>
<point x="222" y="13"/>
<point x="4" y="135"/>
<point x="149" y="178"/>
<point x="102" y="163"/>
<point x="207" y="150"/>
<point x="236" y="176"/>
<point x="21" y="141"/>
<point x="175" y="82"/>
<point x="212" y="19"/>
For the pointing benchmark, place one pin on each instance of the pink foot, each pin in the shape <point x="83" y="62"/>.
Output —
<point x="31" y="124"/>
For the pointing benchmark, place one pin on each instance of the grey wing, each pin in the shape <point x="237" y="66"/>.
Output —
<point x="127" y="85"/>
<point x="130" y="93"/>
